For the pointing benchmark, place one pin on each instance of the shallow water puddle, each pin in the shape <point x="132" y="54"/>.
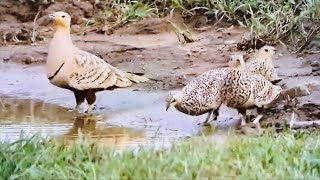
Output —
<point x="28" y="117"/>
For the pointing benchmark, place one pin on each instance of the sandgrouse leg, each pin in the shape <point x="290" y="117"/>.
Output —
<point x="243" y="116"/>
<point x="79" y="99"/>
<point x="209" y="119"/>
<point x="90" y="96"/>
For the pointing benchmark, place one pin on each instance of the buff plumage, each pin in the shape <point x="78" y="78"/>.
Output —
<point x="79" y="71"/>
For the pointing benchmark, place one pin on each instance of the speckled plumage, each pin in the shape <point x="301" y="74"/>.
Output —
<point x="235" y="88"/>
<point x="262" y="63"/>
<point x="79" y="71"/>
<point x="202" y="94"/>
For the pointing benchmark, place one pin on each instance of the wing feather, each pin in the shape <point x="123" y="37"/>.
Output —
<point x="92" y="72"/>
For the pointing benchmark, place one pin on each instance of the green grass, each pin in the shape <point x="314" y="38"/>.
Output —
<point x="121" y="13"/>
<point x="272" y="156"/>
<point x="289" y="22"/>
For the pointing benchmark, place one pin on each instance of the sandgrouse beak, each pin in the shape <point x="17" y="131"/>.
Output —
<point x="168" y="106"/>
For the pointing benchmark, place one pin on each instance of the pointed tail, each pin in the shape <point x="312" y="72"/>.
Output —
<point x="136" y="78"/>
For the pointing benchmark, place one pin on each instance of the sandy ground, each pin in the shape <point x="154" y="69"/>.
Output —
<point x="30" y="103"/>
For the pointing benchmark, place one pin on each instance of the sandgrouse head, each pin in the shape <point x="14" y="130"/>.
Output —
<point x="60" y="19"/>
<point x="173" y="99"/>
<point x="266" y="52"/>
<point x="236" y="61"/>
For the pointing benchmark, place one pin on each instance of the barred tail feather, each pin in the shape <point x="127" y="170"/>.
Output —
<point x="136" y="78"/>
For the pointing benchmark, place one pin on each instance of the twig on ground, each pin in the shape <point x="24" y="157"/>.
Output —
<point x="309" y="38"/>
<point x="305" y="124"/>
<point x="34" y="34"/>
<point x="294" y="124"/>
<point x="187" y="37"/>
<point x="293" y="120"/>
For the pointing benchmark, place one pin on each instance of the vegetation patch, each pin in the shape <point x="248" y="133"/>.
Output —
<point x="294" y="23"/>
<point x="270" y="156"/>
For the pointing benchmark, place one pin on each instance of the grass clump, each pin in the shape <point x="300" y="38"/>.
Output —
<point x="268" y="157"/>
<point x="289" y="22"/>
<point x="294" y="23"/>
<point x="117" y="13"/>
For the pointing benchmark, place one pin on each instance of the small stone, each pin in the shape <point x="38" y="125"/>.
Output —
<point x="314" y="63"/>
<point x="29" y="59"/>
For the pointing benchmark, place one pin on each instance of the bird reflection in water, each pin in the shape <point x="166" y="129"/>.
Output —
<point x="107" y="135"/>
